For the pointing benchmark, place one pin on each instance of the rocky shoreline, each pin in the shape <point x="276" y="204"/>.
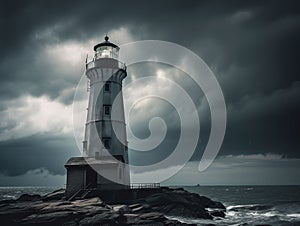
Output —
<point x="54" y="209"/>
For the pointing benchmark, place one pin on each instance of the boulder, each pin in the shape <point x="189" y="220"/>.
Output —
<point x="27" y="197"/>
<point x="217" y="213"/>
<point x="54" y="218"/>
<point x="96" y="201"/>
<point x="121" y="209"/>
<point x="56" y="195"/>
<point x="104" y="218"/>
<point x="140" y="207"/>
<point x="10" y="215"/>
<point x="151" y="216"/>
<point x="178" y="202"/>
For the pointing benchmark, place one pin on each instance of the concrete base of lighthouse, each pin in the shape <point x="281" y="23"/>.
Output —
<point x="87" y="174"/>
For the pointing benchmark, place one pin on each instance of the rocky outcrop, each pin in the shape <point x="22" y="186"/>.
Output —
<point x="53" y="209"/>
<point x="26" y="197"/>
<point x="178" y="202"/>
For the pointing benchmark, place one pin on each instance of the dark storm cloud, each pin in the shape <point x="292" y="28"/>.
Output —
<point x="252" y="46"/>
<point x="139" y="122"/>
<point x="253" y="40"/>
<point x="46" y="151"/>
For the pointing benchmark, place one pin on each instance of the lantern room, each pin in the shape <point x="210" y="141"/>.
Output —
<point x="106" y="49"/>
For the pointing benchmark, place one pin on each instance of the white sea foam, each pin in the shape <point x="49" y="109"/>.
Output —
<point x="267" y="214"/>
<point x="294" y="215"/>
<point x="241" y="206"/>
<point x="9" y="197"/>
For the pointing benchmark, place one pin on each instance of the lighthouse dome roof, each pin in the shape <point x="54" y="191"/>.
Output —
<point x="106" y="43"/>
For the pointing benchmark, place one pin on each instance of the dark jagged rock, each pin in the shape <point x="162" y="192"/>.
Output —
<point x="147" y="209"/>
<point x="104" y="218"/>
<point x="178" y="202"/>
<point x="55" y="195"/>
<point x="27" y="197"/>
<point x="53" y="218"/>
<point x="217" y="213"/>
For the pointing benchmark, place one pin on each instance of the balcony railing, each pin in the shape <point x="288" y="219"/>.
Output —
<point x="91" y="64"/>
<point x="144" y="185"/>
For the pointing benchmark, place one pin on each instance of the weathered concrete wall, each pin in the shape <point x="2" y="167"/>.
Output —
<point x="75" y="179"/>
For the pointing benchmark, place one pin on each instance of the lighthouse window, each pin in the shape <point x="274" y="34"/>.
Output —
<point x="107" y="87"/>
<point x="107" y="109"/>
<point x="106" y="143"/>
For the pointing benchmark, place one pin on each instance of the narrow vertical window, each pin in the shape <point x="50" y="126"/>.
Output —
<point x="107" y="87"/>
<point x="106" y="109"/>
<point x="106" y="143"/>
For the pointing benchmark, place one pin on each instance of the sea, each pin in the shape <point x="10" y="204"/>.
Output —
<point x="245" y="205"/>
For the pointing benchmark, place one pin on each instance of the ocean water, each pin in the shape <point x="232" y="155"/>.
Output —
<point x="15" y="192"/>
<point x="246" y="205"/>
<point x="252" y="205"/>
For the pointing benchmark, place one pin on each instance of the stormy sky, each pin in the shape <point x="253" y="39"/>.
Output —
<point x="252" y="47"/>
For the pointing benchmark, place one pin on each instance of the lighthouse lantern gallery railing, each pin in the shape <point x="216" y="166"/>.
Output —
<point x="91" y="64"/>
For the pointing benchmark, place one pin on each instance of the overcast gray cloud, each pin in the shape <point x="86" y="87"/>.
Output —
<point x="251" y="46"/>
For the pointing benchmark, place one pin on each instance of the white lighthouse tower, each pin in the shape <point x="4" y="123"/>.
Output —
<point x="105" y="133"/>
<point x="104" y="164"/>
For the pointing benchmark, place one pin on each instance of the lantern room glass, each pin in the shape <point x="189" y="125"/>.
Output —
<point x="107" y="52"/>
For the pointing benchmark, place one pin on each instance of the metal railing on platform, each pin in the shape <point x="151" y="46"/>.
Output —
<point x="91" y="64"/>
<point x="144" y="185"/>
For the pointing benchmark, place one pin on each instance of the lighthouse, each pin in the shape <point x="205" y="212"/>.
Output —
<point x="105" y="132"/>
<point x="104" y="164"/>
